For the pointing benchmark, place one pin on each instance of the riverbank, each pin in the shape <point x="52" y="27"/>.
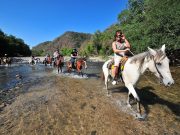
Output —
<point x="64" y="106"/>
<point x="66" y="58"/>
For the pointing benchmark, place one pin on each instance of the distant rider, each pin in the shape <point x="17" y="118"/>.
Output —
<point x="74" y="55"/>
<point x="56" y="54"/>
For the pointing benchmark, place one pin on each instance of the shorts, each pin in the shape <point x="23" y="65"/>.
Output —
<point x="117" y="60"/>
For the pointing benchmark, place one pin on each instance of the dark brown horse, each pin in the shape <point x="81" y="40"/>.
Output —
<point x="80" y="63"/>
<point x="59" y="63"/>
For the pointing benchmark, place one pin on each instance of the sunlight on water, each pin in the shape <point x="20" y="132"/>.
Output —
<point x="73" y="75"/>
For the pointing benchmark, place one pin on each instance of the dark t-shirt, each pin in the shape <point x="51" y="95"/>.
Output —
<point x="74" y="53"/>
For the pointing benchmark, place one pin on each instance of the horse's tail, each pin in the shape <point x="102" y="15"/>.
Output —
<point x="105" y="71"/>
<point x="102" y="76"/>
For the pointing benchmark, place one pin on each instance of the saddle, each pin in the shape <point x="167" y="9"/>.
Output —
<point x="121" y="65"/>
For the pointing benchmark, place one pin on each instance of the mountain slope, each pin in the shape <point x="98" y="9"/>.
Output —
<point x="68" y="40"/>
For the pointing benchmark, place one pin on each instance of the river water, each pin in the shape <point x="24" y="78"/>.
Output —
<point x="22" y="74"/>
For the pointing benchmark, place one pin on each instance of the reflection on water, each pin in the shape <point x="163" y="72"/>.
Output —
<point x="32" y="74"/>
<point x="8" y="75"/>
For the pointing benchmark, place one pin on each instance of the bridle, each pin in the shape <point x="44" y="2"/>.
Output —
<point x="155" y="64"/>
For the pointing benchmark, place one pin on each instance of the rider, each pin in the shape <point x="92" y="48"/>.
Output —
<point x="74" y="55"/>
<point x="120" y="46"/>
<point x="32" y="58"/>
<point x="5" y="58"/>
<point x="46" y="57"/>
<point x="55" y="54"/>
<point x="61" y="57"/>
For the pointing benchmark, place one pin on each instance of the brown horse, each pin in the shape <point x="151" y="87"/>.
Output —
<point x="59" y="63"/>
<point x="80" y="63"/>
<point x="48" y="60"/>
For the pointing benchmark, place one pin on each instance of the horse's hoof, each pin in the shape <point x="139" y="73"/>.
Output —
<point x="109" y="94"/>
<point x="128" y="105"/>
<point x="140" y="117"/>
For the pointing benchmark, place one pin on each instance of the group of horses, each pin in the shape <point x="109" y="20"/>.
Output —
<point x="59" y="63"/>
<point x="5" y="61"/>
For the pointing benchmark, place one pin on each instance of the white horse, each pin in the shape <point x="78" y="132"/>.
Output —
<point x="154" y="60"/>
<point x="34" y="61"/>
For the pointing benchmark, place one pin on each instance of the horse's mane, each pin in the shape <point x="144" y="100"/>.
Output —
<point x="139" y="58"/>
<point x="81" y="59"/>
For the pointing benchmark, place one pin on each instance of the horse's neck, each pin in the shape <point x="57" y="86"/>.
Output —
<point x="140" y="61"/>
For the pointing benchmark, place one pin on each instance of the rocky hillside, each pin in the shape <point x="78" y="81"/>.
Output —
<point x="67" y="40"/>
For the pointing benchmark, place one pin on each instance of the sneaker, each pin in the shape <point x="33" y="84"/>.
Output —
<point x="114" y="82"/>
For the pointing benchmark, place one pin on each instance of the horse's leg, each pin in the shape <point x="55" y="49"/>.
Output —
<point x="106" y="76"/>
<point x="61" y="68"/>
<point x="128" y="99"/>
<point x="58" y="68"/>
<point x="106" y="84"/>
<point x="133" y="92"/>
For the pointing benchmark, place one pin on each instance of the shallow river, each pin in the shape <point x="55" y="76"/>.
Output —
<point x="17" y="74"/>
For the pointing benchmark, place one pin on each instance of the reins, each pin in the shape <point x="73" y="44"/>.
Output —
<point x="161" y="77"/>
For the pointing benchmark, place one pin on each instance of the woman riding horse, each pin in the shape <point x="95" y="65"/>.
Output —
<point x="154" y="60"/>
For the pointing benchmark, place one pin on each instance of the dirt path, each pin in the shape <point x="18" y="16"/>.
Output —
<point x="66" y="106"/>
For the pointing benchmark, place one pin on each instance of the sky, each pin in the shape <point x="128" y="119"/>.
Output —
<point x="37" y="21"/>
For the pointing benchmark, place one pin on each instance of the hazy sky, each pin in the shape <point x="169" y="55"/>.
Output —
<point x="36" y="21"/>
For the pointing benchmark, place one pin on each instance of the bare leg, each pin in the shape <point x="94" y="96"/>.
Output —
<point x="114" y="75"/>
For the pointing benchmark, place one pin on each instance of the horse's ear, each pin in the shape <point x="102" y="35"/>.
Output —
<point x="163" y="48"/>
<point x="152" y="52"/>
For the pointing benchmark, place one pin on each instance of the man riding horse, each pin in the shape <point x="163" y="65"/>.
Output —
<point x="74" y="55"/>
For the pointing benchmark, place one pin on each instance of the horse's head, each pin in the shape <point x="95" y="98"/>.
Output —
<point x="159" y="64"/>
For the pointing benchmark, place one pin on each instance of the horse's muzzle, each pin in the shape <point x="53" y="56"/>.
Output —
<point x="168" y="83"/>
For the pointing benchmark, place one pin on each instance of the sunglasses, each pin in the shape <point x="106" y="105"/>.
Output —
<point x="119" y="36"/>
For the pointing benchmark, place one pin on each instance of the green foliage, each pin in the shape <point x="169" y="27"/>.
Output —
<point x="146" y="23"/>
<point x="13" y="46"/>
<point x="88" y="50"/>
<point x="66" y="51"/>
